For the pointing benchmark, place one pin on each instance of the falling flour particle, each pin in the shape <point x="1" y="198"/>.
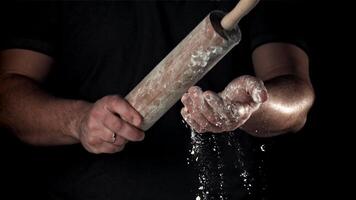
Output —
<point x="207" y="158"/>
<point x="263" y="147"/>
<point x="240" y="164"/>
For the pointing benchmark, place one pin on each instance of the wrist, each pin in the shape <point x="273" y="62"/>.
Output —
<point x="79" y="112"/>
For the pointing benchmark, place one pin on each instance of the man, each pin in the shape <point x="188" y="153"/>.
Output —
<point x="65" y="68"/>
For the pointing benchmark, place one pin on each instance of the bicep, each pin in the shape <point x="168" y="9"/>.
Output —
<point x="271" y="60"/>
<point x="31" y="64"/>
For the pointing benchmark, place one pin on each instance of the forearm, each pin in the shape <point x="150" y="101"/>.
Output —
<point x="289" y="100"/>
<point x="36" y="117"/>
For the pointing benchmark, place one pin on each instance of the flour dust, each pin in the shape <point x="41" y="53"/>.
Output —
<point x="207" y="156"/>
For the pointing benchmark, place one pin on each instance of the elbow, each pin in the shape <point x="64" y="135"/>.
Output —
<point x="298" y="125"/>
<point x="26" y="137"/>
<point x="285" y="111"/>
<point x="301" y="114"/>
<point x="284" y="115"/>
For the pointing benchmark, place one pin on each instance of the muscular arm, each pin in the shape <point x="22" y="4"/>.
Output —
<point x="40" y="119"/>
<point x="34" y="116"/>
<point x="245" y="102"/>
<point x="285" y="71"/>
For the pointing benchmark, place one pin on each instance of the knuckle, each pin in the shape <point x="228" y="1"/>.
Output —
<point x="95" y="114"/>
<point x="207" y="93"/>
<point x="111" y="98"/>
<point x="126" y="111"/>
<point x="117" y="125"/>
<point x="193" y="90"/>
<point x="139" y="120"/>
<point x="92" y="140"/>
<point x="130" y="118"/>
<point x="91" y="124"/>
<point x="105" y="99"/>
<point x="196" y="88"/>
<point x="116" y="99"/>
<point x="184" y="98"/>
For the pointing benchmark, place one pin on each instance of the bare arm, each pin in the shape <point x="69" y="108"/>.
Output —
<point x="40" y="119"/>
<point x="245" y="102"/>
<point x="284" y="68"/>
<point x="25" y="107"/>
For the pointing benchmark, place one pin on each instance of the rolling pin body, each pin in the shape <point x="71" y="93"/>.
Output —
<point x="183" y="67"/>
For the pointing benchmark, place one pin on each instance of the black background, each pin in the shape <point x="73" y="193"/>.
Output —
<point x="309" y="164"/>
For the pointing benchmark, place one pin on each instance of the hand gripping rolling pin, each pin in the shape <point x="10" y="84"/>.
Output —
<point x="187" y="63"/>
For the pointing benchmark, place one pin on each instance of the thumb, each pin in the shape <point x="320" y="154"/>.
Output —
<point x="246" y="89"/>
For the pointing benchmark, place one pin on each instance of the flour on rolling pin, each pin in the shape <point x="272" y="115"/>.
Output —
<point x="187" y="63"/>
<point x="184" y="66"/>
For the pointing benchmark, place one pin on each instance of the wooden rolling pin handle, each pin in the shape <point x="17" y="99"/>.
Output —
<point x="241" y="9"/>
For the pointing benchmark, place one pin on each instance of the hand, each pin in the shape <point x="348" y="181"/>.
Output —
<point x="211" y="112"/>
<point x="108" y="125"/>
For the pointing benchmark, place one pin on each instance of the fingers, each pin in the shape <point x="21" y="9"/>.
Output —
<point x="122" y="128"/>
<point x="188" y="118"/>
<point x="246" y="88"/>
<point x="259" y="93"/>
<point x="255" y="88"/>
<point x="240" y="112"/>
<point x="187" y="102"/>
<point x="216" y="103"/>
<point x="197" y="111"/>
<point x="213" y="107"/>
<point x="197" y="101"/>
<point x="226" y="111"/>
<point x="109" y="136"/>
<point x="120" y="106"/>
<point x="103" y="130"/>
<point x="105" y="141"/>
<point x="192" y="112"/>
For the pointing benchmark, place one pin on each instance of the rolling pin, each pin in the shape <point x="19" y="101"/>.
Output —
<point x="187" y="63"/>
